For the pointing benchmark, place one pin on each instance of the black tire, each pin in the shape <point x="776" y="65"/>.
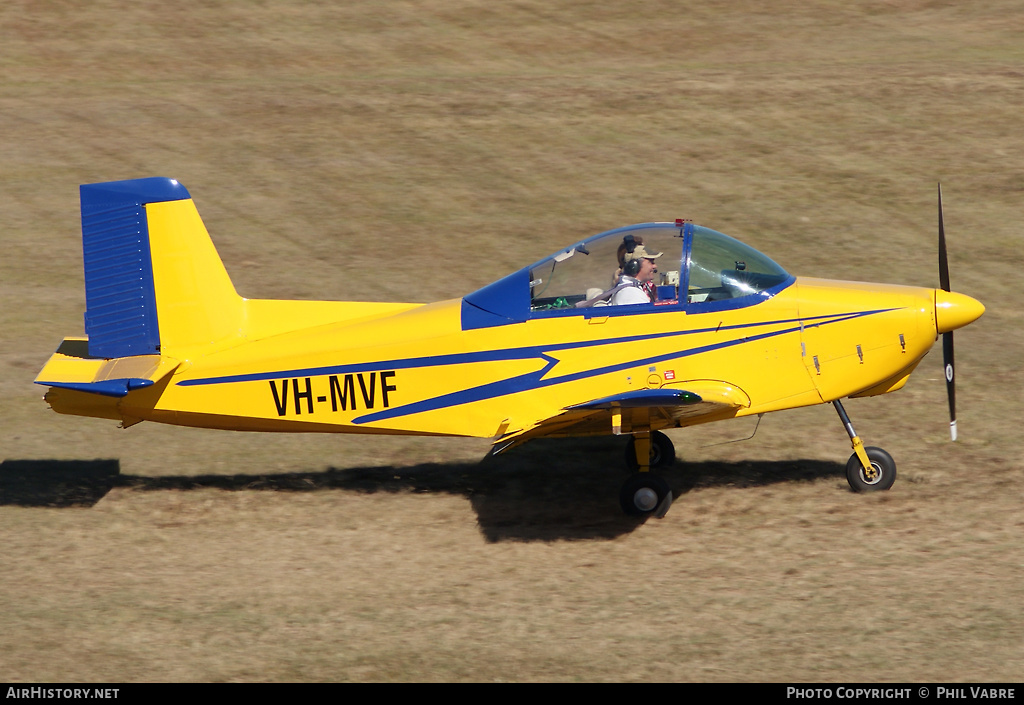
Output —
<point x="663" y="452"/>
<point x="880" y="477"/>
<point x="642" y="493"/>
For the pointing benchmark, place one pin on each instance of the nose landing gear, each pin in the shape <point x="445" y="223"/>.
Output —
<point x="869" y="469"/>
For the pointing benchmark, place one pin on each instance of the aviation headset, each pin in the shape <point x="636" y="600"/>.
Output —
<point x="632" y="267"/>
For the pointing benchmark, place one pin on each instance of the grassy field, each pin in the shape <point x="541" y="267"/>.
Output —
<point x="417" y="150"/>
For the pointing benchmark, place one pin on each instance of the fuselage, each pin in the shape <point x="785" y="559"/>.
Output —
<point x="418" y="371"/>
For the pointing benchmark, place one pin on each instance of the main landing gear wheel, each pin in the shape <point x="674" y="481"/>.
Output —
<point x="663" y="452"/>
<point x="645" y="494"/>
<point x="879" y="476"/>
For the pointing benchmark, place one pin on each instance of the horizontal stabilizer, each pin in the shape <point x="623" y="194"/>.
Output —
<point x="107" y="387"/>
<point x="73" y="368"/>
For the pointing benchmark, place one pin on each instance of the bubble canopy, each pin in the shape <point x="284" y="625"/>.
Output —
<point x="696" y="270"/>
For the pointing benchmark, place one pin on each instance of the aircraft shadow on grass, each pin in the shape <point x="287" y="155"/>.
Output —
<point x="550" y="489"/>
<point x="57" y="483"/>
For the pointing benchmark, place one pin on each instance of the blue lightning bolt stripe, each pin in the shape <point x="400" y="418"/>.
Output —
<point x="536" y="380"/>
<point x="531" y="380"/>
<point x="524" y="353"/>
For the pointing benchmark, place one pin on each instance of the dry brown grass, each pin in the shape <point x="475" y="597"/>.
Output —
<point x="315" y="136"/>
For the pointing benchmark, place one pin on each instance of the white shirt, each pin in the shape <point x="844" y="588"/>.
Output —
<point x="630" y="294"/>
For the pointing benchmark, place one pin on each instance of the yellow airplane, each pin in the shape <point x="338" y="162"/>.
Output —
<point x="635" y="330"/>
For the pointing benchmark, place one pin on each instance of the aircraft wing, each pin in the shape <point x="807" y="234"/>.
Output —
<point x="645" y="408"/>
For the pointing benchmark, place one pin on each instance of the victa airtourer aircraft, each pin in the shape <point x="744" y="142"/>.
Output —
<point x="721" y="332"/>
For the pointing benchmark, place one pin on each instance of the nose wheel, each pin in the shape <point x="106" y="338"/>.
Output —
<point x="878" y="475"/>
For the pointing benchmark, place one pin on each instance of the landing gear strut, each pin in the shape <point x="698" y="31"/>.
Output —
<point x="869" y="469"/>
<point x="662" y="453"/>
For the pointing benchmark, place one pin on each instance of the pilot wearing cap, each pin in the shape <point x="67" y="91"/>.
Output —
<point x="637" y="279"/>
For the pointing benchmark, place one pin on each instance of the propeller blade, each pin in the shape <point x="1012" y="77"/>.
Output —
<point x="943" y="261"/>
<point x="947" y="362"/>
<point x="947" y="338"/>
